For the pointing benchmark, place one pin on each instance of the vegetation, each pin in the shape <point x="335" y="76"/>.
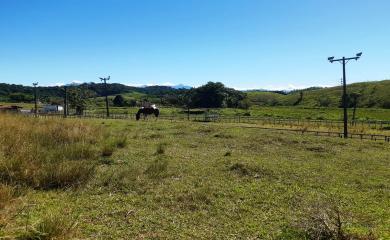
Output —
<point x="211" y="95"/>
<point x="188" y="180"/>
<point x="371" y="94"/>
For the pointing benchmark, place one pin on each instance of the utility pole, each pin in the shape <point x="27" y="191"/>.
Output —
<point x="344" y="61"/>
<point x="65" y="101"/>
<point x="105" y="93"/>
<point x="35" y="99"/>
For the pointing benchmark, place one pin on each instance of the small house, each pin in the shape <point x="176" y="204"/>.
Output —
<point x="12" y="108"/>
<point x="52" y="108"/>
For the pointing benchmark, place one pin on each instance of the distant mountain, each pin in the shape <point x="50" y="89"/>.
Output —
<point x="371" y="94"/>
<point x="181" y="86"/>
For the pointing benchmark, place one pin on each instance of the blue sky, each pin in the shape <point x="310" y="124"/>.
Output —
<point x="245" y="44"/>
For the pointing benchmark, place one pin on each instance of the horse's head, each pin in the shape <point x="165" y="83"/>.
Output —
<point x="137" y="115"/>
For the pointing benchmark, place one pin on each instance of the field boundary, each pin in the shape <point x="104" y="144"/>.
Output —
<point x="247" y="119"/>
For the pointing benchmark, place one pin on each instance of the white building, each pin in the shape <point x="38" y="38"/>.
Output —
<point x="52" y="108"/>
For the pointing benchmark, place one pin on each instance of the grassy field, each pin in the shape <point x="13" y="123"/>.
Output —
<point x="111" y="179"/>
<point x="297" y="112"/>
<point x="274" y="112"/>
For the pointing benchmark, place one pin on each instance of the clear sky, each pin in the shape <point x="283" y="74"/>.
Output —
<point x="242" y="43"/>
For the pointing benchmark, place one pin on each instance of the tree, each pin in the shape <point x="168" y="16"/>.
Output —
<point x="353" y="100"/>
<point x="20" y="97"/>
<point x="131" y="102"/>
<point x="210" y="95"/>
<point x="119" y="101"/>
<point x="324" y="101"/>
<point x="78" y="99"/>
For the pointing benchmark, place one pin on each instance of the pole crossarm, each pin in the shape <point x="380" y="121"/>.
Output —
<point x="344" y="59"/>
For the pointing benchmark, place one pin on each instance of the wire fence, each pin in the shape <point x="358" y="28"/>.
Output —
<point x="294" y="125"/>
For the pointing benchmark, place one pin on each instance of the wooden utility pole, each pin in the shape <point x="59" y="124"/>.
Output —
<point x="344" y="61"/>
<point x="106" y="93"/>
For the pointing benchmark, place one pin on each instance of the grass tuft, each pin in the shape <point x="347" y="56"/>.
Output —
<point x="160" y="148"/>
<point x="121" y="141"/>
<point x="6" y="194"/>
<point x="107" y="150"/>
<point x="51" y="226"/>
<point x="157" y="169"/>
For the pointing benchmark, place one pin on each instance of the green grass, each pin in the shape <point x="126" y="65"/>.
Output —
<point x="315" y="113"/>
<point x="372" y="94"/>
<point x="216" y="181"/>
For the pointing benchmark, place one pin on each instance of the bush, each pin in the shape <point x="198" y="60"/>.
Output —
<point x="119" y="101"/>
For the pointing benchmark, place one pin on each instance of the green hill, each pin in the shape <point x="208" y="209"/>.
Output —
<point x="370" y="94"/>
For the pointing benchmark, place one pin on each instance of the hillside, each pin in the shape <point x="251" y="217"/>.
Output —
<point x="371" y="94"/>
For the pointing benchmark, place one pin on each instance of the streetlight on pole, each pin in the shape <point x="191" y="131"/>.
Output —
<point x="35" y="98"/>
<point x="105" y="90"/>
<point x="344" y="61"/>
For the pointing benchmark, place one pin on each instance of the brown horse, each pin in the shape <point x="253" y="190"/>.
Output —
<point x="147" y="111"/>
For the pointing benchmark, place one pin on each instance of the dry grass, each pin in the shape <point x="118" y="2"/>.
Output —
<point x="51" y="226"/>
<point x="46" y="153"/>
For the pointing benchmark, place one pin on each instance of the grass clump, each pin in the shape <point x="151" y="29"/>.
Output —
<point x="107" y="150"/>
<point x="160" y="148"/>
<point x="51" y="226"/>
<point x="121" y="141"/>
<point x="123" y="179"/>
<point x="6" y="194"/>
<point x="157" y="169"/>
<point x="325" y="219"/>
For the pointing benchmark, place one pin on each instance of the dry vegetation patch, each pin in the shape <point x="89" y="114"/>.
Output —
<point x="46" y="153"/>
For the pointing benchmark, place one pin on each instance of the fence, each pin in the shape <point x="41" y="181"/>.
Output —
<point x="298" y="123"/>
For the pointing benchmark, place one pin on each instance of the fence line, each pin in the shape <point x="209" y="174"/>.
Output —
<point x="249" y="119"/>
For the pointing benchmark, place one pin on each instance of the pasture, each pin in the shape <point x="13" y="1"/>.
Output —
<point x="112" y="179"/>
